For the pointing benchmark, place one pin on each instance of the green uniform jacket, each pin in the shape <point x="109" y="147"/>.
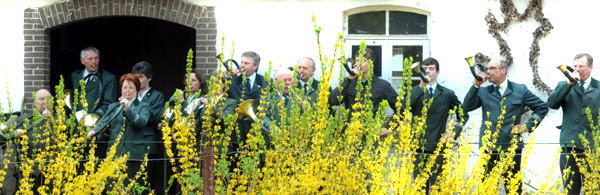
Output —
<point x="156" y="102"/>
<point x="272" y="114"/>
<point x="517" y="97"/>
<point x="380" y="90"/>
<point x="259" y="83"/>
<point x="35" y="133"/>
<point x="313" y="91"/>
<point x="131" y="123"/>
<point x="99" y="92"/>
<point x="444" y="100"/>
<point x="224" y="108"/>
<point x="574" y="102"/>
<point x="237" y="86"/>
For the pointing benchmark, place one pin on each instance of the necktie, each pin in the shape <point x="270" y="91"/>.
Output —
<point x="582" y="86"/>
<point x="430" y="92"/>
<point x="497" y="89"/>
<point x="248" y="87"/>
<point x="89" y="77"/>
<point x="287" y="100"/>
<point x="305" y="86"/>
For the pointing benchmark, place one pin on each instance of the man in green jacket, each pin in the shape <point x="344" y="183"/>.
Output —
<point x="306" y="70"/>
<point x="36" y="144"/>
<point x="156" y="100"/>
<point x="100" y="85"/>
<point x="100" y="90"/>
<point x="575" y="98"/>
<point x="511" y="97"/>
<point x="443" y="101"/>
<point x="283" y="81"/>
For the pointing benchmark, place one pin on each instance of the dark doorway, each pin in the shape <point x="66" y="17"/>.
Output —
<point x="376" y="59"/>
<point x="122" y="42"/>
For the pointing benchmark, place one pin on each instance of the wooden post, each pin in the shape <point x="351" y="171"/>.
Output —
<point x="208" y="170"/>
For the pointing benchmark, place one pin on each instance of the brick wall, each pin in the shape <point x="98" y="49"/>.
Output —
<point x="38" y="21"/>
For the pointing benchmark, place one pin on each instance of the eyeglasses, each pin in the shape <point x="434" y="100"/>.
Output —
<point x="492" y="68"/>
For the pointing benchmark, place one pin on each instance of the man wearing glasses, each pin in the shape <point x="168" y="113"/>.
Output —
<point x="503" y="95"/>
<point x="575" y="97"/>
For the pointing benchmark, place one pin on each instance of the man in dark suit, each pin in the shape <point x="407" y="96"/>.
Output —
<point x="575" y="98"/>
<point x="156" y="100"/>
<point x="443" y="101"/>
<point x="283" y="79"/>
<point x="100" y="85"/>
<point x="306" y="83"/>
<point x="36" y="144"/>
<point x="380" y="89"/>
<point x="100" y="90"/>
<point x="510" y="97"/>
<point x="250" y="85"/>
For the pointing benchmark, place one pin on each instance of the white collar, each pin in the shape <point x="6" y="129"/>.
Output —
<point x="252" y="78"/>
<point x="587" y="82"/>
<point x="433" y="86"/>
<point x="503" y="86"/>
<point x="85" y="72"/>
<point x="141" y="95"/>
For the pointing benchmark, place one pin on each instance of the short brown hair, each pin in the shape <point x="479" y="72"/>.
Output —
<point x="588" y="57"/>
<point x="131" y="78"/>
<point x="369" y="54"/>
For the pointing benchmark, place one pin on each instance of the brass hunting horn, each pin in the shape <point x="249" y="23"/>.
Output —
<point x="228" y="62"/>
<point x="567" y="70"/>
<point x="476" y="68"/>
<point x="246" y="108"/>
<point x="417" y="68"/>
<point x="347" y="64"/>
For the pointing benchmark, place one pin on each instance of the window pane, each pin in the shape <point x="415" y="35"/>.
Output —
<point x="367" y="23"/>
<point x="407" y="23"/>
<point x="376" y="60"/>
<point x="399" y="52"/>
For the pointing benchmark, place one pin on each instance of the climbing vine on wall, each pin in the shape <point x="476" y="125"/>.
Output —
<point x="511" y="15"/>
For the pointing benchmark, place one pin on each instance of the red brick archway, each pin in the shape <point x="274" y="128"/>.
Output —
<point x="38" y="22"/>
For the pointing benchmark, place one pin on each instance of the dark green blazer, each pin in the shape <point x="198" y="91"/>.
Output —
<point x="574" y="102"/>
<point x="380" y="90"/>
<point x="35" y="134"/>
<point x="272" y="114"/>
<point x="312" y="92"/>
<point x="99" y="92"/>
<point x="517" y="98"/>
<point x="444" y="100"/>
<point x="224" y="108"/>
<point x="237" y="82"/>
<point x="156" y="101"/>
<point x="131" y="123"/>
<point x="272" y="117"/>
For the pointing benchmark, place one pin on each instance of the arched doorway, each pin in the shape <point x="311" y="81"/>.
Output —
<point x="122" y="42"/>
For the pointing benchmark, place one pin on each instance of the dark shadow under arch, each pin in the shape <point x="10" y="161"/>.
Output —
<point x="123" y="41"/>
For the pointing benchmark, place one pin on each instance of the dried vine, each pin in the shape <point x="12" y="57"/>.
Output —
<point x="511" y="15"/>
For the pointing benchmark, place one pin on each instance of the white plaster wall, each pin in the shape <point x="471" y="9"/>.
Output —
<point x="282" y="32"/>
<point x="11" y="51"/>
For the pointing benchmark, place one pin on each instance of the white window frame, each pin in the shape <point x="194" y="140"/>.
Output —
<point x="387" y="41"/>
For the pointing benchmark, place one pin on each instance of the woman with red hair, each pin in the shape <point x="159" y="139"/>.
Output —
<point x="127" y="118"/>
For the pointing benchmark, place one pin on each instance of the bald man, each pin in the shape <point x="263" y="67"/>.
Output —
<point x="35" y="134"/>
<point x="306" y="83"/>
